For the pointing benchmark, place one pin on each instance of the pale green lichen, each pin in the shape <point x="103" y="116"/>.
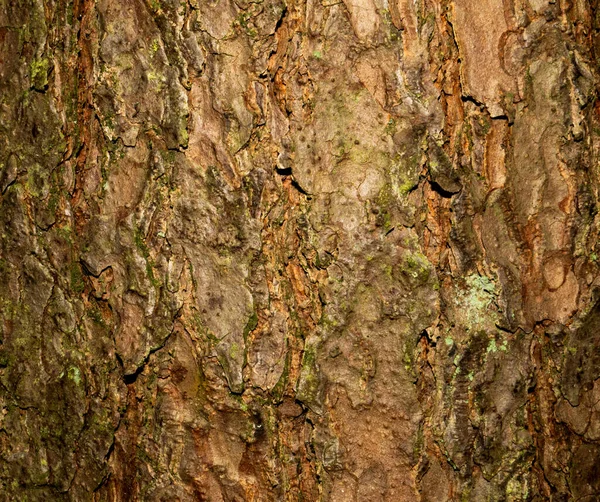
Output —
<point x="517" y="489"/>
<point x="474" y="302"/>
<point x="234" y="351"/>
<point x="404" y="174"/>
<point x="390" y="127"/>
<point x="74" y="374"/>
<point x="494" y="347"/>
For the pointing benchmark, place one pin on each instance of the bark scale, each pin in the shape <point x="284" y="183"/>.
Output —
<point x="299" y="250"/>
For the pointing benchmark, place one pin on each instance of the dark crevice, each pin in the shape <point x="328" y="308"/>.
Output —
<point x="428" y="339"/>
<point x="130" y="378"/>
<point x="297" y="186"/>
<point x="471" y="99"/>
<point x="86" y="270"/>
<point x="8" y="185"/>
<point x="280" y="20"/>
<point x="286" y="171"/>
<point x="439" y="190"/>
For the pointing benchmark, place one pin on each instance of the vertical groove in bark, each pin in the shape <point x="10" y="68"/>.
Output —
<point x="338" y="251"/>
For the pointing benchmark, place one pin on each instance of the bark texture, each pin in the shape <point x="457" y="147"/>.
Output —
<point x="318" y="250"/>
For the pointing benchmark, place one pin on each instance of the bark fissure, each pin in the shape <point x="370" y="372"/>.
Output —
<point x="297" y="250"/>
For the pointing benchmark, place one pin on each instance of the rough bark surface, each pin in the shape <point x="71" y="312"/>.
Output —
<point x="314" y="250"/>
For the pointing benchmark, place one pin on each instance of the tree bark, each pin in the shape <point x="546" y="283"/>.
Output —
<point x="299" y="250"/>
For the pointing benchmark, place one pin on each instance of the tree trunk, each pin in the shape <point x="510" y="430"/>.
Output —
<point x="299" y="250"/>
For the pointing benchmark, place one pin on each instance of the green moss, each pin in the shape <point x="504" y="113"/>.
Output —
<point x="417" y="266"/>
<point x="251" y="324"/>
<point x="200" y="328"/>
<point x="65" y="232"/>
<point x="142" y="455"/>
<point x="485" y="123"/>
<point x="308" y="388"/>
<point x="37" y="181"/>
<point x="406" y="187"/>
<point x="150" y="273"/>
<point x="384" y="202"/>
<point x="38" y="71"/>
<point x="109" y="119"/>
<point x="244" y="21"/>
<point x="183" y="135"/>
<point x="141" y="245"/>
<point x="95" y="315"/>
<point x="279" y="389"/>
<point x="6" y="359"/>
<point x="53" y="201"/>
<point x="322" y="260"/>
<point x="5" y="266"/>
<point x="408" y="360"/>
<point x="388" y="270"/>
<point x="77" y="280"/>
<point x="419" y="442"/>
<point x="328" y="322"/>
